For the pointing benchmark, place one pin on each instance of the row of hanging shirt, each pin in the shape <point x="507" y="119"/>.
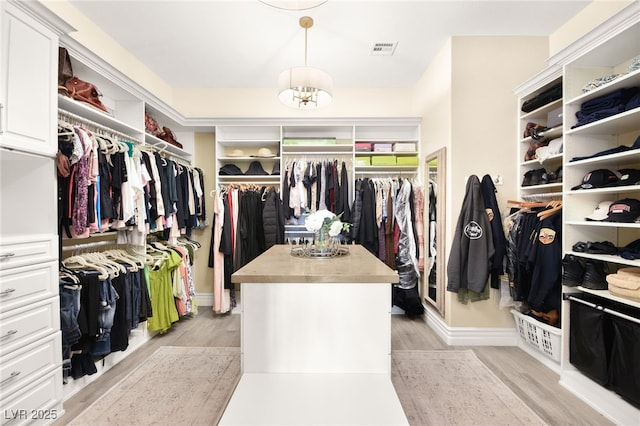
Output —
<point x="105" y="295"/>
<point x="312" y="185"/>
<point x="248" y="219"/>
<point x="386" y="219"/>
<point x="106" y="183"/>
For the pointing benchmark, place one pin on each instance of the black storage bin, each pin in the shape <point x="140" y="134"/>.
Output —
<point x="625" y="360"/>
<point x="590" y="342"/>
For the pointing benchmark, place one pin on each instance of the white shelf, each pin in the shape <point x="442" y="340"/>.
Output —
<point x="541" y="113"/>
<point x="97" y="116"/>
<point x="317" y="148"/>
<point x="629" y="80"/>
<point x="610" y="258"/>
<point x="606" y="295"/>
<point x="164" y="146"/>
<point x="620" y="123"/>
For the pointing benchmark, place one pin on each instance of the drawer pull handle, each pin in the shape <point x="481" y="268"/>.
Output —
<point x="7" y="255"/>
<point x="13" y="375"/>
<point x="7" y="291"/>
<point x="9" y="333"/>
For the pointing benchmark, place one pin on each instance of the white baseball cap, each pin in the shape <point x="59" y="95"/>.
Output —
<point x="601" y="212"/>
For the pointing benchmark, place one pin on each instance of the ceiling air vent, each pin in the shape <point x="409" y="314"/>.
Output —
<point x="383" y="49"/>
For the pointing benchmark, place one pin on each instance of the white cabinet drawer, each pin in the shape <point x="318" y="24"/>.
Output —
<point x="37" y="403"/>
<point x="22" y="366"/>
<point x="16" y="252"/>
<point x="22" y="326"/>
<point x="27" y="284"/>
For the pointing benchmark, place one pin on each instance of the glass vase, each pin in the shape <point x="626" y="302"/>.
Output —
<point x="322" y="241"/>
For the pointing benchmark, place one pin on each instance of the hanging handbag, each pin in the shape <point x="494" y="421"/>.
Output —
<point x="65" y="70"/>
<point x="84" y="91"/>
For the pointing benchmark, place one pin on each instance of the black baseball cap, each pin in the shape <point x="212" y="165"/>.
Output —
<point x="627" y="177"/>
<point x="597" y="179"/>
<point x="625" y="210"/>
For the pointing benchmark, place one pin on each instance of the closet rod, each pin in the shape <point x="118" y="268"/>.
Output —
<point x="388" y="173"/>
<point x="65" y="113"/>
<point x="323" y="153"/>
<point x="542" y="197"/>
<point x="87" y="245"/>
<point x="603" y="309"/>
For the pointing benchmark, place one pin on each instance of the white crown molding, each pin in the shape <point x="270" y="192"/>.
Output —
<point x="619" y="22"/>
<point x="43" y="15"/>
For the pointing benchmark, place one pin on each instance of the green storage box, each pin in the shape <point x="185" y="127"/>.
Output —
<point x="383" y="160"/>
<point x="363" y="161"/>
<point x="407" y="160"/>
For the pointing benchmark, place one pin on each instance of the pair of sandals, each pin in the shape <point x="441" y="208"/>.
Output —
<point x="603" y="247"/>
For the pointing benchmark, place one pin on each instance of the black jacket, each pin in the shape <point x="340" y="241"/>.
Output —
<point x="497" y="232"/>
<point x="273" y="219"/>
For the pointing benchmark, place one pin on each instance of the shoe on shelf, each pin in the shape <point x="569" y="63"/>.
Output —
<point x="595" y="277"/>
<point x="572" y="271"/>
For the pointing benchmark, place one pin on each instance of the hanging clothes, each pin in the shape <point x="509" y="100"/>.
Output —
<point x="497" y="233"/>
<point x="469" y="263"/>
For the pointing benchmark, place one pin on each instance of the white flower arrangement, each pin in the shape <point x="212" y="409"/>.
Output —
<point x="326" y="221"/>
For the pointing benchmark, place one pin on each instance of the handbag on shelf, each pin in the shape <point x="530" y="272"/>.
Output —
<point x="65" y="69"/>
<point x="151" y="125"/>
<point x="84" y="91"/>
<point x="168" y="136"/>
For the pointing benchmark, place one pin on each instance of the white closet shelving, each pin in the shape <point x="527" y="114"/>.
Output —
<point x="240" y="145"/>
<point x="554" y="162"/>
<point x="125" y="118"/>
<point x="612" y="56"/>
<point x="30" y="338"/>
<point x="536" y="338"/>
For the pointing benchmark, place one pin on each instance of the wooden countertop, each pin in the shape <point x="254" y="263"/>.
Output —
<point x="277" y="265"/>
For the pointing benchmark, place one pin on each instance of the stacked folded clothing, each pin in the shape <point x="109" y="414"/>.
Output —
<point x="607" y="105"/>
<point x="625" y="283"/>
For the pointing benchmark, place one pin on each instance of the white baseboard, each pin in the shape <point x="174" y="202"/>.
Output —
<point x="205" y="301"/>
<point x="471" y="336"/>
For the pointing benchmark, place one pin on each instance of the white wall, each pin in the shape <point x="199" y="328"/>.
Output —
<point x="483" y="137"/>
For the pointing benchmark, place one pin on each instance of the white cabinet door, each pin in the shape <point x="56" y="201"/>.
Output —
<point x="29" y="75"/>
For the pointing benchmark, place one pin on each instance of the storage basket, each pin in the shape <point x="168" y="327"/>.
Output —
<point x="541" y="336"/>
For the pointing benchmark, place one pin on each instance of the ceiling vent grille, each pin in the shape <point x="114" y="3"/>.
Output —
<point x="383" y="49"/>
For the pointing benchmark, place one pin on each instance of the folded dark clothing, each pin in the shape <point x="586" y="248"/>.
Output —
<point x="609" y="100"/>
<point x="621" y="148"/>
<point x="631" y="251"/>
<point x="634" y="102"/>
<point x="604" y="247"/>
<point x="597" y="115"/>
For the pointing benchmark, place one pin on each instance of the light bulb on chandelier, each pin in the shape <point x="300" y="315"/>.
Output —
<point x="305" y="87"/>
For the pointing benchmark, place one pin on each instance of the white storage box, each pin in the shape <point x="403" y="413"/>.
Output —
<point x="541" y="336"/>
<point x="404" y="147"/>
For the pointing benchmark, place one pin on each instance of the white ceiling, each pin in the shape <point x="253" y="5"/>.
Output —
<point x="245" y="43"/>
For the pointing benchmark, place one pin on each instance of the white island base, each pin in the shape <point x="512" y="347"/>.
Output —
<point x="315" y="342"/>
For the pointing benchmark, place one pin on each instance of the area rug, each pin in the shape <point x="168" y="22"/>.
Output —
<point x="455" y="388"/>
<point x="174" y="386"/>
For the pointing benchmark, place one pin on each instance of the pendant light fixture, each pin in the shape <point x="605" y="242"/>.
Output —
<point x="305" y="87"/>
<point x="294" y="4"/>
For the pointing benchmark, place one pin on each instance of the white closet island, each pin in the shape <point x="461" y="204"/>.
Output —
<point x="316" y="341"/>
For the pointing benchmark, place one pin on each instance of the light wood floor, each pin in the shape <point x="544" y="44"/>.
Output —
<point x="534" y="383"/>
